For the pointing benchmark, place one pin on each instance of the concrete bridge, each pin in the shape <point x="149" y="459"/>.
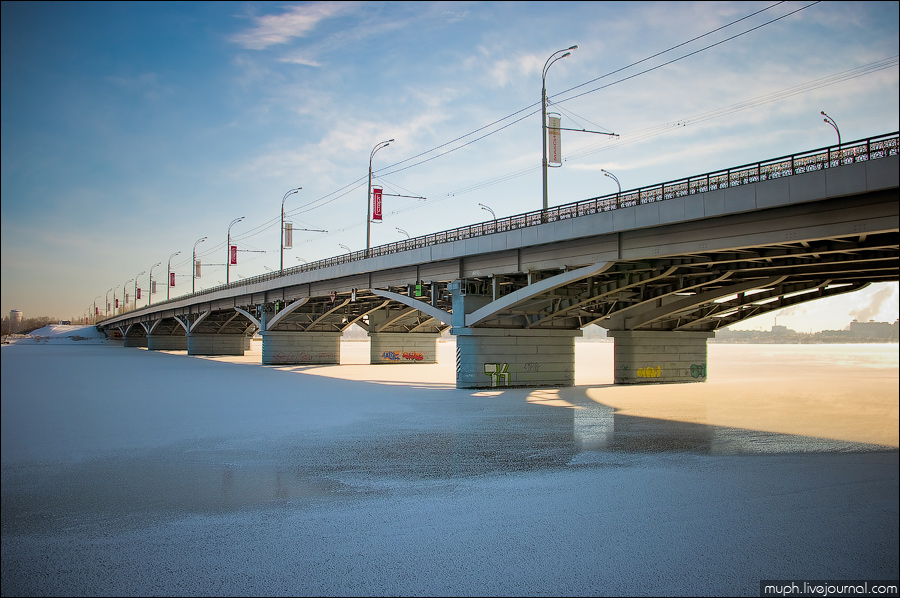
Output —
<point x="660" y="267"/>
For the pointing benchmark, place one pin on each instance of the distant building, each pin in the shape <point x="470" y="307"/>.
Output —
<point x="873" y="330"/>
<point x="16" y="318"/>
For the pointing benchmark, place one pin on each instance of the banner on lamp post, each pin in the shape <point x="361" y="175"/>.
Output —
<point x="197" y="269"/>
<point x="376" y="204"/>
<point x="288" y="235"/>
<point x="138" y="294"/>
<point x="555" y="141"/>
<point x="117" y="303"/>
<point x="171" y="279"/>
<point x="233" y="255"/>
<point x="152" y="287"/>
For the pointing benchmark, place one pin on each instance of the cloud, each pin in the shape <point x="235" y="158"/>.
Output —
<point x="298" y="21"/>
<point x="871" y="310"/>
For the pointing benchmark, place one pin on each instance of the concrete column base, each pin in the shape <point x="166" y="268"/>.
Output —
<point x="166" y="343"/>
<point x="215" y="344"/>
<point x="135" y="341"/>
<point x="500" y="357"/>
<point x="291" y="348"/>
<point x="403" y="347"/>
<point x="659" y="357"/>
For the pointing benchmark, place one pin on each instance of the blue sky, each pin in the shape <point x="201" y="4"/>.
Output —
<point x="130" y="130"/>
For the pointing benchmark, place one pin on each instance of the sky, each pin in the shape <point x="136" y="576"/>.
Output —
<point x="137" y="133"/>
<point x="178" y="475"/>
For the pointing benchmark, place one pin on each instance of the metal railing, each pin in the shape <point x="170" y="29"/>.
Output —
<point x="864" y="150"/>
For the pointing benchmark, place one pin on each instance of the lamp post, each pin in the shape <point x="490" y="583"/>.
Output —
<point x="124" y="295"/>
<point x="553" y="58"/>
<point x="194" y="265"/>
<point x="381" y="145"/>
<point x="228" y="250"/>
<point x="94" y="315"/>
<point x="150" y="283"/>
<point x="300" y="259"/>
<point x="135" y="286"/>
<point x="169" y="274"/>
<point x="831" y="122"/>
<point x="401" y="231"/>
<point x="347" y="249"/>
<point x="484" y="207"/>
<point x="292" y="191"/>
<point x="107" y="301"/>
<point x="613" y="177"/>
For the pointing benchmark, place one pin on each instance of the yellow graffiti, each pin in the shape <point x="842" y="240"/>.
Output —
<point x="649" y="372"/>
<point x="499" y="373"/>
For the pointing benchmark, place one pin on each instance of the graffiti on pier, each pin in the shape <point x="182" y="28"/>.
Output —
<point x="499" y="373"/>
<point x="402" y="356"/>
<point x="649" y="372"/>
<point x="532" y="367"/>
<point x="698" y="370"/>
<point x="290" y="357"/>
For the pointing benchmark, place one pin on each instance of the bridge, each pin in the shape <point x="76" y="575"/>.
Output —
<point x="661" y="268"/>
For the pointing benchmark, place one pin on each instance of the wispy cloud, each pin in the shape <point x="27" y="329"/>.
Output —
<point x="298" y="21"/>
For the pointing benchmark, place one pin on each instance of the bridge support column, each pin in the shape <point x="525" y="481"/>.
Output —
<point x="510" y="357"/>
<point x="215" y="344"/>
<point x="135" y="341"/>
<point x="659" y="357"/>
<point x="166" y="342"/>
<point x="300" y="348"/>
<point x="403" y="347"/>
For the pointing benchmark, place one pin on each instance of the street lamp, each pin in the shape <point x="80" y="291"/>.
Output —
<point x="150" y="283"/>
<point x="228" y="249"/>
<point x="292" y="191"/>
<point x="124" y="295"/>
<point x="613" y="177"/>
<point x="135" y="287"/>
<point x="381" y="145"/>
<point x="169" y="275"/>
<point x="94" y="315"/>
<point x="107" y="301"/>
<point x="831" y="122"/>
<point x="400" y="230"/>
<point x="484" y="207"/>
<point x="194" y="264"/>
<point x="553" y="58"/>
<point x="347" y="249"/>
<point x="300" y="259"/>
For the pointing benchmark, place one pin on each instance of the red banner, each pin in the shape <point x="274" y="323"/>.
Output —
<point x="171" y="279"/>
<point x="138" y="293"/>
<point x="376" y="200"/>
<point x="117" y="303"/>
<point x="234" y="255"/>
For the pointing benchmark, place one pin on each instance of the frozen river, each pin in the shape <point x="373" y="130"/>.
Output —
<point x="127" y="472"/>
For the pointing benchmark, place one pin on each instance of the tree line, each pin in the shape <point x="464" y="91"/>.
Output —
<point x="26" y="325"/>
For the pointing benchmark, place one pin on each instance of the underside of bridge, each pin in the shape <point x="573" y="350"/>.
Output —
<point x="661" y="311"/>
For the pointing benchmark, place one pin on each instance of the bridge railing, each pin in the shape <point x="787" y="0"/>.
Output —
<point x="863" y="150"/>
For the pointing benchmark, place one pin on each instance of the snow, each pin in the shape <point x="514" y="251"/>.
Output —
<point x="130" y="472"/>
<point x="62" y="333"/>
